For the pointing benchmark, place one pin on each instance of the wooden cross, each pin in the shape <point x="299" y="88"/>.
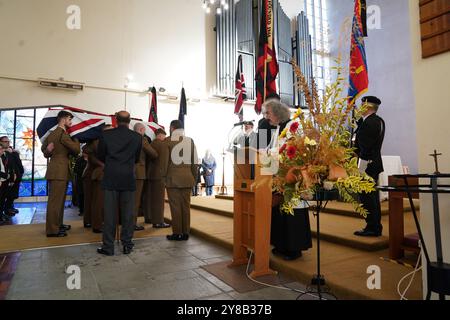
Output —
<point x="435" y="155"/>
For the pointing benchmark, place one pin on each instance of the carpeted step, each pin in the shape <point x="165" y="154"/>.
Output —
<point x="228" y="197"/>
<point x="335" y="228"/>
<point x="344" y="268"/>
<point x="342" y="208"/>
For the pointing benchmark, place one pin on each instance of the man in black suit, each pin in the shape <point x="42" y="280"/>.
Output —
<point x="17" y="172"/>
<point x="119" y="149"/>
<point x="369" y="141"/>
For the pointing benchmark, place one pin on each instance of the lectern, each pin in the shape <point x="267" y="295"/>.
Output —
<point x="252" y="213"/>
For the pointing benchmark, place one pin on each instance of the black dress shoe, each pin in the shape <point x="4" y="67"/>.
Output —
<point x="161" y="226"/>
<point x="97" y="231"/>
<point x="367" y="233"/>
<point x="185" y="237"/>
<point x="65" y="227"/>
<point x="127" y="250"/>
<point x="276" y="252"/>
<point x="15" y="210"/>
<point x="291" y="257"/>
<point x="104" y="252"/>
<point x="148" y="221"/>
<point x="139" y="228"/>
<point x="87" y="225"/>
<point x="60" y="234"/>
<point x="175" y="237"/>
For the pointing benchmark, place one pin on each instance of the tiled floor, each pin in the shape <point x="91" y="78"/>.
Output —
<point x="157" y="269"/>
<point x="8" y="265"/>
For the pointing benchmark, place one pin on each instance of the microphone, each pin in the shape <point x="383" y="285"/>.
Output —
<point x="243" y="122"/>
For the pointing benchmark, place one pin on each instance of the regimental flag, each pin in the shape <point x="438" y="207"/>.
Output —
<point x="241" y="91"/>
<point x="183" y="107"/>
<point x="153" y="117"/>
<point x="267" y="68"/>
<point x="359" y="74"/>
<point x="86" y="125"/>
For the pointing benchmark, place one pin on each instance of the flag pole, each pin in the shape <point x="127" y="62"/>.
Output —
<point x="265" y="82"/>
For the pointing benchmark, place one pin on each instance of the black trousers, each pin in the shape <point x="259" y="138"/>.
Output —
<point x="3" y="195"/>
<point x="371" y="202"/>
<point x="11" y="194"/>
<point x="115" y="201"/>
<point x="291" y="234"/>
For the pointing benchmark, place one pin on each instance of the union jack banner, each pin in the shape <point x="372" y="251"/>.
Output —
<point x="241" y="91"/>
<point x="86" y="125"/>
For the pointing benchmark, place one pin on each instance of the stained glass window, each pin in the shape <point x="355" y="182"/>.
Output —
<point x="20" y="126"/>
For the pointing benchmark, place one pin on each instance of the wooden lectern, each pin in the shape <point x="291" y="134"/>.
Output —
<point x="252" y="215"/>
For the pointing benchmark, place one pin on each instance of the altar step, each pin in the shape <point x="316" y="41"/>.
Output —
<point x="335" y="228"/>
<point x="346" y="209"/>
<point x="344" y="266"/>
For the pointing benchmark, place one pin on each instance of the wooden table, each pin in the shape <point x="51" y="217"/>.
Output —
<point x="397" y="245"/>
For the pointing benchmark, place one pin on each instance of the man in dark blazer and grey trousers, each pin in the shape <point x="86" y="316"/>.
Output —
<point x="119" y="149"/>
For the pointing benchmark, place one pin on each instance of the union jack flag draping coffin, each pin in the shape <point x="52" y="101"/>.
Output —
<point x="359" y="74"/>
<point x="267" y="68"/>
<point x="86" y="126"/>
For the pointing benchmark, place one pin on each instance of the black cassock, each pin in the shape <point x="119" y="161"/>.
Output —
<point x="291" y="234"/>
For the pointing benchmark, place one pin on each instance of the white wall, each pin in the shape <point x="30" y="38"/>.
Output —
<point x="432" y="95"/>
<point x="390" y="70"/>
<point x="161" y="43"/>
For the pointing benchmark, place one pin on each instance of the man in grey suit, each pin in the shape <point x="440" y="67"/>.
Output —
<point x="119" y="149"/>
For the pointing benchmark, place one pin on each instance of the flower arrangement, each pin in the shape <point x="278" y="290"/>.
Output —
<point x="316" y="154"/>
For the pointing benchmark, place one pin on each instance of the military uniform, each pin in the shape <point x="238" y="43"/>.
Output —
<point x="147" y="152"/>
<point x="97" y="190"/>
<point x="88" y="184"/>
<point x="180" y="178"/>
<point x="57" y="175"/>
<point x="155" y="186"/>
<point x="369" y="141"/>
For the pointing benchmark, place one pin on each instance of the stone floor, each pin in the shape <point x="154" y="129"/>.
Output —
<point x="156" y="270"/>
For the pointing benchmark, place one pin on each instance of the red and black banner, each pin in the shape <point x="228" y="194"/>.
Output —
<point x="267" y="68"/>
<point x="241" y="91"/>
<point x="153" y="117"/>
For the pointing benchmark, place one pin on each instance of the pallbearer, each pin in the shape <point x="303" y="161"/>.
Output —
<point x="88" y="150"/>
<point x="97" y="191"/>
<point x="57" y="147"/>
<point x="155" y="186"/>
<point x="140" y="170"/>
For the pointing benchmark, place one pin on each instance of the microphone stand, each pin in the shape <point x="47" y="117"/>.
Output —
<point x="223" y="188"/>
